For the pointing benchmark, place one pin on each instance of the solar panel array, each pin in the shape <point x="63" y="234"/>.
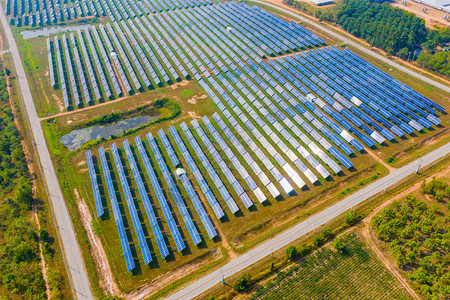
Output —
<point x="93" y="174"/>
<point x="131" y="206"/>
<point x="189" y="188"/>
<point x="37" y="13"/>
<point x="50" y="64"/>
<point x="148" y="206"/>
<point x="116" y="211"/>
<point x="161" y="198"/>
<point x="282" y="122"/>
<point x="148" y="51"/>
<point x="174" y="191"/>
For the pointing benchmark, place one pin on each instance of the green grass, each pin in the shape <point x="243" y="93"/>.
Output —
<point x="327" y="274"/>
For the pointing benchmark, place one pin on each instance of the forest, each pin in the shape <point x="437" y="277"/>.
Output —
<point x="19" y="250"/>
<point x="417" y="233"/>
<point x="394" y="30"/>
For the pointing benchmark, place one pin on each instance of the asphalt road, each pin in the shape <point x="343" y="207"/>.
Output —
<point x="73" y="258"/>
<point x="287" y="237"/>
<point x="357" y="46"/>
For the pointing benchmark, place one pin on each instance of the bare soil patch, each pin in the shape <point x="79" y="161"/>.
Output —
<point x="158" y="283"/>
<point x="178" y="84"/>
<point x="194" y="99"/>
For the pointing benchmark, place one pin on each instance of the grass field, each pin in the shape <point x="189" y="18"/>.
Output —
<point x="327" y="274"/>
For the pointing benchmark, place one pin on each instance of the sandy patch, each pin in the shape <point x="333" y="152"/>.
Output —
<point x="194" y="115"/>
<point x="178" y="84"/>
<point x="81" y="163"/>
<point x="84" y="170"/>
<point x="194" y="99"/>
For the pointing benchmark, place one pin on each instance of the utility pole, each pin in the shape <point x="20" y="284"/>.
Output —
<point x="223" y="278"/>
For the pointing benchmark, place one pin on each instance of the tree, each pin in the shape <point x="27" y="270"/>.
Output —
<point x="404" y="53"/>
<point x="291" y="252"/>
<point x="242" y="283"/>
<point x="326" y="233"/>
<point x="24" y="194"/>
<point x="43" y="234"/>
<point x="351" y="218"/>
<point x="339" y="245"/>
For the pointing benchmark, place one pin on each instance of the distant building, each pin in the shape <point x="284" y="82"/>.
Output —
<point x="443" y="5"/>
<point x="316" y="2"/>
<point x="322" y="2"/>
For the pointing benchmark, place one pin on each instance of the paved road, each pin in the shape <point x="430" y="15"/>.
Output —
<point x="356" y="45"/>
<point x="73" y="258"/>
<point x="299" y="230"/>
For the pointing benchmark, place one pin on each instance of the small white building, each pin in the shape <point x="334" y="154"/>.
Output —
<point x="322" y="2"/>
<point x="443" y="5"/>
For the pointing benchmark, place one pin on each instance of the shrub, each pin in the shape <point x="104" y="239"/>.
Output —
<point x="339" y="245"/>
<point x="241" y="283"/>
<point x="291" y="253"/>
<point x="351" y="218"/>
<point x="43" y="234"/>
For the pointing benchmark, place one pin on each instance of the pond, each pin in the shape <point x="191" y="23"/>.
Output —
<point x="29" y="34"/>
<point x="76" y="138"/>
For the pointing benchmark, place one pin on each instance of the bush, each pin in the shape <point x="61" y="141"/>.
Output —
<point x="291" y="253"/>
<point x="339" y="245"/>
<point x="351" y="218"/>
<point x="242" y="283"/>
<point x="272" y="266"/>
<point x="326" y="233"/>
<point x="43" y="234"/>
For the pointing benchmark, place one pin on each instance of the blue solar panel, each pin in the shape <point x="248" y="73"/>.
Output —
<point x="160" y="196"/>
<point x="98" y="200"/>
<point x="131" y="207"/>
<point x="191" y="192"/>
<point x="116" y="211"/>
<point x="148" y="206"/>
<point x="174" y="191"/>
<point x="198" y="176"/>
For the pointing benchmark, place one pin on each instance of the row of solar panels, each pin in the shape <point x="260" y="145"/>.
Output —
<point x="131" y="10"/>
<point x="155" y="27"/>
<point x="388" y="88"/>
<point x="189" y="188"/>
<point x="174" y="192"/>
